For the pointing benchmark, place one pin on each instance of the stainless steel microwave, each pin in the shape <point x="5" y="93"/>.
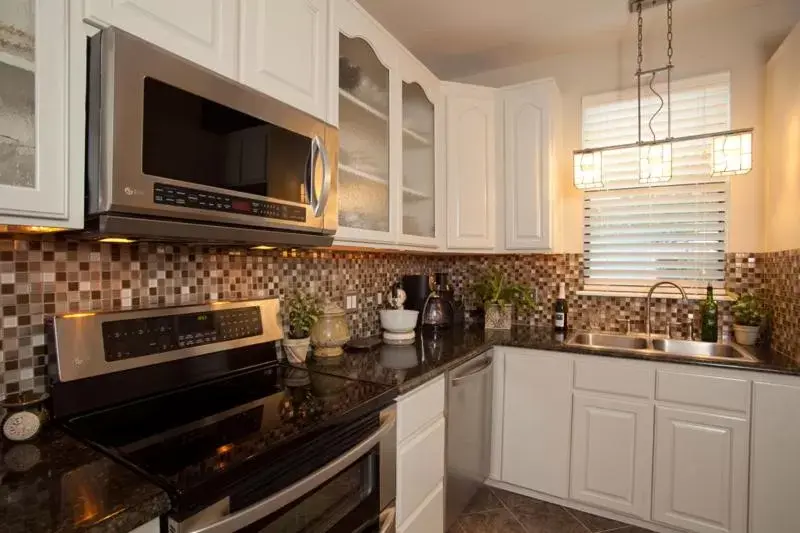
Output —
<point x="175" y="151"/>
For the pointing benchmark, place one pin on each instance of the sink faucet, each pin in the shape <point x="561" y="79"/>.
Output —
<point x="649" y="296"/>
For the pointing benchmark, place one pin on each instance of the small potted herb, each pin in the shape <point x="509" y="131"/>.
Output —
<point x="304" y="311"/>
<point x="498" y="296"/>
<point x="748" y="317"/>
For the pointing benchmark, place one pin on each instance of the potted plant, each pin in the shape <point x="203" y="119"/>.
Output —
<point x="498" y="296"/>
<point x="748" y="316"/>
<point x="304" y="311"/>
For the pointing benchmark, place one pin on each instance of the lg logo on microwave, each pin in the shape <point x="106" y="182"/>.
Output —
<point x="130" y="191"/>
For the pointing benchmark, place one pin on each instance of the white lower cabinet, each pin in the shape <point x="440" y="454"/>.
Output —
<point x="153" y="526"/>
<point x="429" y="517"/>
<point x="612" y="453"/>
<point x="700" y="474"/>
<point x="536" y="420"/>
<point x="420" y="460"/>
<point x="774" y="461"/>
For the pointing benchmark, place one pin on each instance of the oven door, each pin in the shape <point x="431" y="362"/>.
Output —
<point x="168" y="138"/>
<point x="353" y="494"/>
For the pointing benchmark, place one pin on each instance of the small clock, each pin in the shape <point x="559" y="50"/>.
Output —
<point x="26" y="414"/>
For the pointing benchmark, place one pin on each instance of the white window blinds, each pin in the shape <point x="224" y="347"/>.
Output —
<point x="636" y="234"/>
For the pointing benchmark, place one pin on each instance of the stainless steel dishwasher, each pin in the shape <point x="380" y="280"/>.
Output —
<point x="469" y="432"/>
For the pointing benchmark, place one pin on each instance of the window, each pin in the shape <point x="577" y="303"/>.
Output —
<point x="634" y="234"/>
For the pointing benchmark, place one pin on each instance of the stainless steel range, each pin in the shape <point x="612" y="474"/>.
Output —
<point x="194" y="399"/>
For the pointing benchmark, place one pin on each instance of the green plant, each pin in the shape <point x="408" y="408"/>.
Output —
<point x="493" y="287"/>
<point x="748" y="311"/>
<point x="304" y="311"/>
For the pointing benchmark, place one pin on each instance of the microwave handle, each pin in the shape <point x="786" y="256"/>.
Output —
<point x="246" y="517"/>
<point x="311" y="190"/>
<point x="322" y="200"/>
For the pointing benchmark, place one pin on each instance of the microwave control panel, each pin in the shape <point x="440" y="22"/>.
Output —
<point x="137" y="337"/>
<point x="196" y="199"/>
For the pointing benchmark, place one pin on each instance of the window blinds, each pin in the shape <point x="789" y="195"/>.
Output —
<point x="636" y="234"/>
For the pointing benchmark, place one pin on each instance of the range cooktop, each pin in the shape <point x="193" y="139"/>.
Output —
<point x="271" y="424"/>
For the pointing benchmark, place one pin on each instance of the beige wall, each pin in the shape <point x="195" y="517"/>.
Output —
<point x="740" y="42"/>
<point x="782" y="192"/>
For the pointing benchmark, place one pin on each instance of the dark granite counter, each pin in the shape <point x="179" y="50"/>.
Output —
<point x="433" y="354"/>
<point x="55" y="484"/>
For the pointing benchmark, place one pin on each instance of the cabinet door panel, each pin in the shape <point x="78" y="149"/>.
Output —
<point x="774" y="462"/>
<point x="470" y="172"/>
<point x="612" y="453"/>
<point x="536" y="421"/>
<point x="203" y="31"/>
<point x="700" y="471"/>
<point x="283" y="51"/>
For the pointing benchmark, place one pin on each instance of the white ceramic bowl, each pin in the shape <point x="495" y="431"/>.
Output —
<point x="399" y="320"/>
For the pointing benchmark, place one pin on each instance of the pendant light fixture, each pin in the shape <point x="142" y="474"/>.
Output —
<point x="731" y="151"/>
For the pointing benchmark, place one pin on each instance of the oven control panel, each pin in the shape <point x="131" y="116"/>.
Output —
<point x="196" y="199"/>
<point x="137" y="337"/>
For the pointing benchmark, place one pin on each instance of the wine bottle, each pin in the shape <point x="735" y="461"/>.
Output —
<point x="560" y="309"/>
<point x="709" y="314"/>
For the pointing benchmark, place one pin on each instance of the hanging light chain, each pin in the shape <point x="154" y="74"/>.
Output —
<point x="640" y="26"/>
<point x="669" y="32"/>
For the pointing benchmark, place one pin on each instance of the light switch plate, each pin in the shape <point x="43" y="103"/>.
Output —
<point x="350" y="301"/>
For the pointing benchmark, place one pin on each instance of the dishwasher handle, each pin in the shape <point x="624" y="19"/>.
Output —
<point x="482" y="369"/>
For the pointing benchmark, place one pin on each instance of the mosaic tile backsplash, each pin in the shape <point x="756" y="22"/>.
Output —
<point x="53" y="276"/>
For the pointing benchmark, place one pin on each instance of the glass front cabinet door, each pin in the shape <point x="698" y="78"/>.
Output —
<point x="365" y="177"/>
<point x="35" y="96"/>
<point x="419" y="223"/>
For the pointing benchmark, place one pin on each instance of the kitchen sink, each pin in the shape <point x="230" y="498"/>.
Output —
<point x="660" y="346"/>
<point x="604" y="340"/>
<point x="701" y="350"/>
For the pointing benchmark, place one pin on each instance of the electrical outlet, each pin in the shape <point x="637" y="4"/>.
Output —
<point x="350" y="301"/>
<point x="379" y="299"/>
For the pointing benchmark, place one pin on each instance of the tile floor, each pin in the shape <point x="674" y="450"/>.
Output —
<point x="498" y="511"/>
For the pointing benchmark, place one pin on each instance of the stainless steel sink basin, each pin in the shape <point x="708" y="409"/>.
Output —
<point x="604" y="340"/>
<point x="701" y="350"/>
<point x="660" y="346"/>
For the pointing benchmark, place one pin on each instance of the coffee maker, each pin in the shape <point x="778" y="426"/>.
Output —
<point x="417" y="288"/>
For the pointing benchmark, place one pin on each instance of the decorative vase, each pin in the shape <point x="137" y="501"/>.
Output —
<point x="330" y="332"/>
<point x="296" y="350"/>
<point x="498" y="316"/>
<point x="746" y="335"/>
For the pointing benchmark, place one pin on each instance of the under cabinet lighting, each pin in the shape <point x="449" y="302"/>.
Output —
<point x="116" y="240"/>
<point x="262" y="247"/>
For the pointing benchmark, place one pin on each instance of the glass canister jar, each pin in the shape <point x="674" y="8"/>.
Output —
<point x="330" y="332"/>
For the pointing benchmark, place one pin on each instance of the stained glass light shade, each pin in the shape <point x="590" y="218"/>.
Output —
<point x="588" y="172"/>
<point x="733" y="154"/>
<point x="655" y="163"/>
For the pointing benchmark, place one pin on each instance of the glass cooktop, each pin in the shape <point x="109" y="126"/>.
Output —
<point x="262" y="422"/>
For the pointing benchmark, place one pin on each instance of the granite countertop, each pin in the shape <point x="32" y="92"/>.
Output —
<point x="55" y="484"/>
<point x="431" y="355"/>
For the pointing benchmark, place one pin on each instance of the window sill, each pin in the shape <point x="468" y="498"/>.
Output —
<point x="719" y="295"/>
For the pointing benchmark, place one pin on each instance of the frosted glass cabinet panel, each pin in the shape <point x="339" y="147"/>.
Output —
<point x="17" y="94"/>
<point x="364" y="182"/>
<point x="419" y="163"/>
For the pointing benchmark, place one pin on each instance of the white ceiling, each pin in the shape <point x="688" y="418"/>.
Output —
<point x="457" y="38"/>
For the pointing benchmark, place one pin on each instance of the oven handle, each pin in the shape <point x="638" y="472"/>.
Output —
<point x="245" y="517"/>
<point x="322" y="202"/>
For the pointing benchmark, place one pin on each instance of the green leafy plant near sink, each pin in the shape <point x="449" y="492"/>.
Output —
<point x="748" y="317"/>
<point x="498" y="296"/>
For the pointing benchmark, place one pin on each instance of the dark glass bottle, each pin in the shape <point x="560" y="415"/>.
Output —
<point x="560" y="310"/>
<point x="708" y="317"/>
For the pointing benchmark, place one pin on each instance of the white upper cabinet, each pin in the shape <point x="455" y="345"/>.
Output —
<point x="612" y="453"/>
<point x="700" y="474"/>
<point x="470" y="167"/>
<point x="203" y="31"/>
<point x="368" y="116"/>
<point x="422" y="187"/>
<point x="42" y="116"/>
<point x="283" y="51"/>
<point x="530" y="125"/>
